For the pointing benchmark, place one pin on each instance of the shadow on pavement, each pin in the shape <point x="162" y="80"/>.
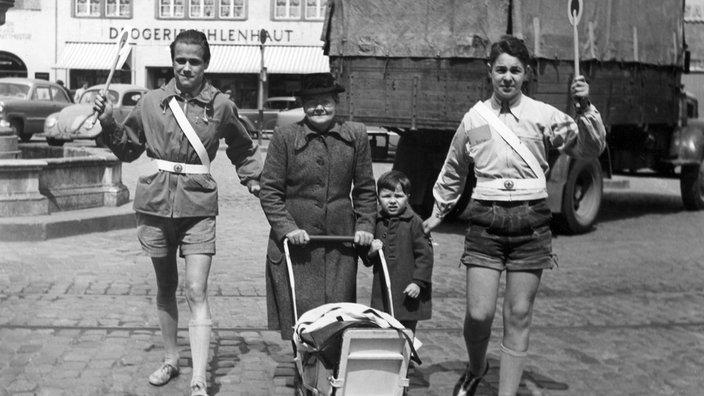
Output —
<point x="624" y="205"/>
<point x="530" y="382"/>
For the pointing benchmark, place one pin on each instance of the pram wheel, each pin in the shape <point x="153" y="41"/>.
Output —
<point x="299" y="389"/>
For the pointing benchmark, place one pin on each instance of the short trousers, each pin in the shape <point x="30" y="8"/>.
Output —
<point x="512" y="236"/>
<point x="161" y="235"/>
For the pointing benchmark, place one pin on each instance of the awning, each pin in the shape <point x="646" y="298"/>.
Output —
<point x="91" y="56"/>
<point x="277" y="59"/>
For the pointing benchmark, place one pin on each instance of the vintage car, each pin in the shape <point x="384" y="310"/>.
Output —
<point x="79" y="122"/>
<point x="26" y="102"/>
<point x="271" y="108"/>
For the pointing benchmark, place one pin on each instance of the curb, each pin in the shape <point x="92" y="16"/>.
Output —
<point x="63" y="224"/>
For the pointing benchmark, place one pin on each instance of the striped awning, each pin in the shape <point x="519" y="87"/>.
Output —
<point x="90" y="56"/>
<point x="277" y="59"/>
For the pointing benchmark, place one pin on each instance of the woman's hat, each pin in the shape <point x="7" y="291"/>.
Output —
<point x="319" y="83"/>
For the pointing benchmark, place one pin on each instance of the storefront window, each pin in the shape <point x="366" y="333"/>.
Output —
<point x="172" y="8"/>
<point x="287" y="9"/>
<point x="232" y="9"/>
<point x="202" y="9"/>
<point x="87" y="8"/>
<point x="315" y="9"/>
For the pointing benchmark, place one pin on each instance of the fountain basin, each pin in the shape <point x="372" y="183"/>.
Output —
<point x="45" y="180"/>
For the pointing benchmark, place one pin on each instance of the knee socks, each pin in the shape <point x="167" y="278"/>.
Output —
<point x="477" y="355"/>
<point x="199" y="334"/>
<point x="511" y="370"/>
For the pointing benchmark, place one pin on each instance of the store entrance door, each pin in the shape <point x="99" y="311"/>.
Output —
<point x="11" y="65"/>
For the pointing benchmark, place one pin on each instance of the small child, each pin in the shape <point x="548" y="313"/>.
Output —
<point x="408" y="252"/>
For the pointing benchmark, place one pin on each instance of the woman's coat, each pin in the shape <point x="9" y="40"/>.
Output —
<point x="323" y="184"/>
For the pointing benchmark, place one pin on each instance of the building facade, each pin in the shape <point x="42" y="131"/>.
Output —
<point x="75" y="41"/>
<point x="694" y="36"/>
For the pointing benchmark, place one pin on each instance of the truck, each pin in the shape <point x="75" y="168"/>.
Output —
<point x="415" y="67"/>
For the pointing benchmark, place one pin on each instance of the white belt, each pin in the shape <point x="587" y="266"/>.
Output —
<point x="511" y="184"/>
<point x="177" y="167"/>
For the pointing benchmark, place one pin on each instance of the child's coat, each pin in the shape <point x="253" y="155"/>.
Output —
<point x="409" y="257"/>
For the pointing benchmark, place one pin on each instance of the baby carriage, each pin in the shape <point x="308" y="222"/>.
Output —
<point x="350" y="349"/>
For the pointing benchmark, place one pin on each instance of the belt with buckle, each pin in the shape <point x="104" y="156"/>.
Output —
<point x="177" y="167"/>
<point x="511" y="184"/>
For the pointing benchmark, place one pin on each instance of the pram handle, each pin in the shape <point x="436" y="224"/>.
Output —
<point x="331" y="238"/>
<point x="335" y="238"/>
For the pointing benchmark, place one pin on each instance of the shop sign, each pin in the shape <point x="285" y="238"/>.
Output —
<point x="7" y="32"/>
<point x="240" y="36"/>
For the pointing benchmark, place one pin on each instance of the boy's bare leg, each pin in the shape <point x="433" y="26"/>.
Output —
<point x="167" y="309"/>
<point x="482" y="292"/>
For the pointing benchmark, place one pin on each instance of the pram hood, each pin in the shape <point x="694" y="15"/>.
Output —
<point x="319" y="330"/>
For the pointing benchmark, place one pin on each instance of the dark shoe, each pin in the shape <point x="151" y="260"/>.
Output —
<point x="468" y="383"/>
<point x="163" y="374"/>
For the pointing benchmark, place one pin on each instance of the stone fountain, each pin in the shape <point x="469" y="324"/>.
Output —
<point x="48" y="192"/>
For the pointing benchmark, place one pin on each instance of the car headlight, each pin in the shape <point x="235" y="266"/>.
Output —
<point x="4" y="123"/>
<point x="51" y="121"/>
<point x="2" y="106"/>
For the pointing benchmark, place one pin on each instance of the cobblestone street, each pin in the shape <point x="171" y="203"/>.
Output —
<point x="622" y="315"/>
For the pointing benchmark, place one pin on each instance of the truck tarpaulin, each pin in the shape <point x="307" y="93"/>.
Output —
<point x="416" y="28"/>
<point x="644" y="31"/>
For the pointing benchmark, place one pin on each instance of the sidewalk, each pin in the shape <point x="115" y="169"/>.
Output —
<point x="77" y="314"/>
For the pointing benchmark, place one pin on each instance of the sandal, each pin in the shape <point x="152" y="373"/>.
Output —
<point x="199" y="387"/>
<point x="163" y="374"/>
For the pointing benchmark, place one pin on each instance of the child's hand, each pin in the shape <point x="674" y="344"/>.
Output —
<point x="412" y="290"/>
<point x="376" y="245"/>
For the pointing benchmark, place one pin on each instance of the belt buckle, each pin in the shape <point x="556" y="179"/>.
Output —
<point x="508" y="184"/>
<point x="178" y="168"/>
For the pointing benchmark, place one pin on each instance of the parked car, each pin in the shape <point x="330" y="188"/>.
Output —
<point x="26" y="102"/>
<point x="77" y="121"/>
<point x="272" y="106"/>
<point x="382" y="141"/>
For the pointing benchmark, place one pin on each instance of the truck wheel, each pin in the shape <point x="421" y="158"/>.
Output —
<point x="582" y="197"/>
<point x="55" y="142"/>
<point x="692" y="186"/>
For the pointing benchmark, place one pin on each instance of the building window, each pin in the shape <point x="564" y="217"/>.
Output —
<point x="103" y="8"/>
<point x="118" y="8"/>
<point x="232" y="9"/>
<point x="315" y="9"/>
<point x="87" y="8"/>
<point x="311" y="10"/>
<point x="202" y="9"/>
<point x="172" y="8"/>
<point x="287" y="9"/>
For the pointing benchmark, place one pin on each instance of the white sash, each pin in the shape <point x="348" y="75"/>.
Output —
<point x="187" y="129"/>
<point x="513" y="140"/>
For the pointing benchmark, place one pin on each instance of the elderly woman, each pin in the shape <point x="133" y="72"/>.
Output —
<point x="317" y="180"/>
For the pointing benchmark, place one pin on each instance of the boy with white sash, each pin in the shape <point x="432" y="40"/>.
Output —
<point x="180" y="125"/>
<point x="506" y="138"/>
